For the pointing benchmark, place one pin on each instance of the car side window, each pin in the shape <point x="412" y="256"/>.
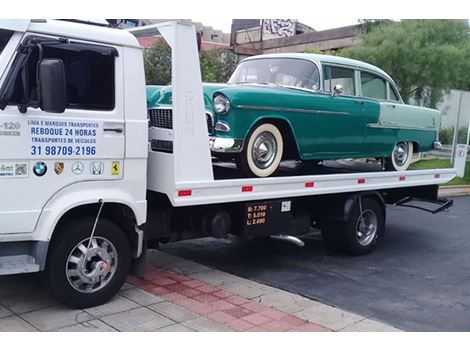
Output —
<point x="339" y="75"/>
<point x="393" y="94"/>
<point x="373" y="86"/>
<point x="89" y="76"/>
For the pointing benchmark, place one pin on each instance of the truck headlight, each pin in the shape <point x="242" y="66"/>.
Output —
<point x="221" y="104"/>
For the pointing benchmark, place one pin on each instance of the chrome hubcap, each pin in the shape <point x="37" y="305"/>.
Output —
<point x="400" y="153"/>
<point x="366" y="227"/>
<point x="90" y="271"/>
<point x="264" y="150"/>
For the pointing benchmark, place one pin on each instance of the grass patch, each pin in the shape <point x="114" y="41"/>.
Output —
<point x="443" y="164"/>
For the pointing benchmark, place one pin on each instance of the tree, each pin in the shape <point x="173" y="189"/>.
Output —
<point x="216" y="65"/>
<point x="425" y="57"/>
<point x="157" y="63"/>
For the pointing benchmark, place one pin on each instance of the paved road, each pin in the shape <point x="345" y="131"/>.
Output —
<point x="418" y="279"/>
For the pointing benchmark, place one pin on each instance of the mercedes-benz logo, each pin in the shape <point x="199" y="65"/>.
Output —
<point x="77" y="168"/>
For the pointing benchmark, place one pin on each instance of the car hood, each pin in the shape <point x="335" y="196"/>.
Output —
<point x="162" y="95"/>
<point x="239" y="94"/>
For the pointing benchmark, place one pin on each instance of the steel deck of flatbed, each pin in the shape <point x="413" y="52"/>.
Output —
<point x="295" y="181"/>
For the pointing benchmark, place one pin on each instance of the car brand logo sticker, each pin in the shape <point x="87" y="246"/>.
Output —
<point x="40" y="168"/>
<point x="77" y="168"/>
<point x="115" y="168"/>
<point x="97" y="168"/>
<point x="58" y="167"/>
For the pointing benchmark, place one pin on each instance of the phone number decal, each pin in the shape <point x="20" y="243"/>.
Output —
<point x="62" y="150"/>
<point x="63" y="137"/>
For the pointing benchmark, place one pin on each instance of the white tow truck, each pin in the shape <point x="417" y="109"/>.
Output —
<point x="84" y="194"/>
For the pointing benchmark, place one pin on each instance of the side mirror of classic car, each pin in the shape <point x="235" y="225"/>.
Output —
<point x="338" y="89"/>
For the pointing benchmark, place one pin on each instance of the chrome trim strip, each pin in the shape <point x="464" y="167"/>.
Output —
<point x="377" y="125"/>
<point x="304" y="111"/>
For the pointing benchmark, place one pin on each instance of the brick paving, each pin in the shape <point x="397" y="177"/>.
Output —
<point x="177" y="295"/>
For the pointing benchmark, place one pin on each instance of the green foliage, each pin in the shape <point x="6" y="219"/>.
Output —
<point x="216" y="65"/>
<point x="446" y="135"/>
<point x="425" y="57"/>
<point x="157" y="63"/>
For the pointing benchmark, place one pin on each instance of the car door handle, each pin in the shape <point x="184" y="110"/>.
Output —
<point x="360" y="102"/>
<point x="116" y="130"/>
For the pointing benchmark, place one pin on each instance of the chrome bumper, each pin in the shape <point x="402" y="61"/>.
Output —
<point x="437" y="145"/>
<point x="225" y="145"/>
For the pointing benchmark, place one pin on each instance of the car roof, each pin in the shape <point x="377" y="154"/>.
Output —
<point x="327" y="59"/>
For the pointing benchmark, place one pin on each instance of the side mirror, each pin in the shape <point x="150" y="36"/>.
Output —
<point x="52" y="85"/>
<point x="338" y="89"/>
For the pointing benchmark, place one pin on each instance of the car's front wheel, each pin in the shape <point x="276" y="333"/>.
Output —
<point x="263" y="151"/>
<point x="401" y="156"/>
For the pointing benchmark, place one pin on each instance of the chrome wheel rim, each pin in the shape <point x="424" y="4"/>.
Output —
<point x="400" y="153"/>
<point x="366" y="227"/>
<point x="264" y="150"/>
<point x="90" y="271"/>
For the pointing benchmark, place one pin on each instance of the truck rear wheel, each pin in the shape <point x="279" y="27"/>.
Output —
<point x="366" y="223"/>
<point x="358" y="235"/>
<point x="81" y="274"/>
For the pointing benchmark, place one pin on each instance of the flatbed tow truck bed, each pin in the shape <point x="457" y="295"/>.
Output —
<point x="296" y="179"/>
<point x="81" y="220"/>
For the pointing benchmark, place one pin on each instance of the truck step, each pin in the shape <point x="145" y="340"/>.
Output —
<point x="17" y="264"/>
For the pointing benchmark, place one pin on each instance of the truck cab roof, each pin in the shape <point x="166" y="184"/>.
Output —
<point x="79" y="31"/>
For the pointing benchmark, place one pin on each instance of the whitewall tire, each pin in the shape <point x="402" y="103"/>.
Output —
<point x="263" y="151"/>
<point x="400" y="159"/>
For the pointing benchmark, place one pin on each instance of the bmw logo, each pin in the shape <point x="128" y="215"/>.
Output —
<point x="40" y="168"/>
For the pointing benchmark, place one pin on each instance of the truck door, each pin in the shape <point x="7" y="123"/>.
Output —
<point x="42" y="153"/>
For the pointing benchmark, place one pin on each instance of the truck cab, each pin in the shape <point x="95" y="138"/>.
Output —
<point x="73" y="131"/>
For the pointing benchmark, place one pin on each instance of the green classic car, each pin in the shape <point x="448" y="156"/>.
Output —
<point x="306" y="107"/>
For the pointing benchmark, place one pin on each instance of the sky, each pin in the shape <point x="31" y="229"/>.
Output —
<point x="318" y="23"/>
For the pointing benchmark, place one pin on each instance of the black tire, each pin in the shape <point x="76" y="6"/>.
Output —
<point x="245" y="161"/>
<point x="348" y="231"/>
<point x="65" y="240"/>
<point x="343" y="235"/>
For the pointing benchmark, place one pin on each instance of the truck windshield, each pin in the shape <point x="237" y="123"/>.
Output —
<point x="5" y="36"/>
<point x="280" y="71"/>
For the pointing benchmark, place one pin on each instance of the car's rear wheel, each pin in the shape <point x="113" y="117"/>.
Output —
<point x="263" y="151"/>
<point x="401" y="156"/>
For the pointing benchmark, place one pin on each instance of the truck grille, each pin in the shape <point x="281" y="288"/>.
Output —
<point x="163" y="118"/>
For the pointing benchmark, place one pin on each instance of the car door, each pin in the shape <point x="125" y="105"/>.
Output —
<point x="42" y="153"/>
<point x="340" y="123"/>
<point x="379" y="140"/>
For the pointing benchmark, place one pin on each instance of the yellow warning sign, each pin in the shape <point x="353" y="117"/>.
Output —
<point x="115" y="168"/>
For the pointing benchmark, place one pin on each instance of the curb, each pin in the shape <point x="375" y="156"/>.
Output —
<point x="454" y="191"/>
<point x="282" y="307"/>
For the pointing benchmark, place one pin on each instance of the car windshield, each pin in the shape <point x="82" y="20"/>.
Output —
<point x="280" y="71"/>
<point x="5" y="36"/>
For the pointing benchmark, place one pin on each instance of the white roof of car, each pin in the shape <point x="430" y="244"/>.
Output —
<point x="325" y="59"/>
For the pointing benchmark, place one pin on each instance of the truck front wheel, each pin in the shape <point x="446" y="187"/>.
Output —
<point x="81" y="273"/>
